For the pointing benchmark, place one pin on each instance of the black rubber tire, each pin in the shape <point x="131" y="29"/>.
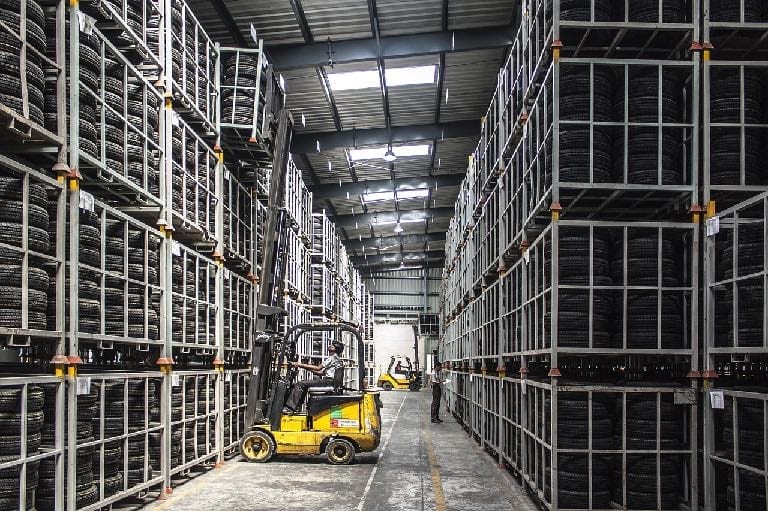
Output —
<point x="10" y="399"/>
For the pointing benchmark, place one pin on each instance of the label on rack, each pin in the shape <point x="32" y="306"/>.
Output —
<point x="713" y="226"/>
<point x="176" y="248"/>
<point x="228" y="376"/>
<point x="523" y="387"/>
<point x="87" y="23"/>
<point x="527" y="256"/>
<point x="83" y="385"/>
<point x="226" y="175"/>
<point x="175" y="380"/>
<point x="226" y="274"/>
<point x="717" y="400"/>
<point x="175" y="119"/>
<point x="87" y="202"/>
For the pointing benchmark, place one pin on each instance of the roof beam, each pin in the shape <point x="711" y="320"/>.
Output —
<point x="301" y="19"/>
<point x="391" y="217"/>
<point x="316" y="54"/>
<point x="374" y="244"/>
<point x="229" y="22"/>
<point x="334" y="191"/>
<point x="405" y="258"/>
<point x="307" y="142"/>
<point x="374" y="271"/>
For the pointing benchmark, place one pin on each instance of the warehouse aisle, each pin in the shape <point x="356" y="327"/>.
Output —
<point x="419" y="466"/>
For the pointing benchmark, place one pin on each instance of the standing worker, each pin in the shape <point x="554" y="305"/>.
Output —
<point x="436" y="379"/>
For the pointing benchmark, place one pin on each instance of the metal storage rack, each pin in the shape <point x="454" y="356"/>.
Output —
<point x="571" y="291"/>
<point x="735" y="347"/>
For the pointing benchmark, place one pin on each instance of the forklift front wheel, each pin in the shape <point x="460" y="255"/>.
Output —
<point x="386" y="385"/>
<point x="257" y="446"/>
<point x="340" y="451"/>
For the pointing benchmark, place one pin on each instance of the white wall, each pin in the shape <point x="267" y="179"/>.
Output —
<point x="391" y="340"/>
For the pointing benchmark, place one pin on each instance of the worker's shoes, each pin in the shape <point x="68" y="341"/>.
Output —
<point x="289" y="410"/>
<point x="436" y="421"/>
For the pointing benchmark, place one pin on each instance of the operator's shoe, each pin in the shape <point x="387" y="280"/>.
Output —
<point x="289" y="410"/>
<point x="436" y="421"/>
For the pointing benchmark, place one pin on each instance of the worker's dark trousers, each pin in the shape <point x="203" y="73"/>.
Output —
<point x="437" y="393"/>
<point x="300" y="390"/>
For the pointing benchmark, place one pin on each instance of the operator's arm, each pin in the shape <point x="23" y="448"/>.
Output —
<point x="319" y="370"/>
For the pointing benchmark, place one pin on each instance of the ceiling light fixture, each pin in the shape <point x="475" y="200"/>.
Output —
<point x="381" y="152"/>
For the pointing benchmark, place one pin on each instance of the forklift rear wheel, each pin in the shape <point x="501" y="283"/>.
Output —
<point x="386" y="385"/>
<point x="340" y="451"/>
<point x="257" y="446"/>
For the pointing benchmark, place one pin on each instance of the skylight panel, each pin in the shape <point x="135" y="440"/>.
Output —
<point x="396" y="77"/>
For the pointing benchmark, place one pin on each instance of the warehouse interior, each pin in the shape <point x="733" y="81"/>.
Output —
<point x="549" y="217"/>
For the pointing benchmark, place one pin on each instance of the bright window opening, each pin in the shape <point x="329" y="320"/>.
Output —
<point x="378" y="196"/>
<point x="396" y="77"/>
<point x="412" y="194"/>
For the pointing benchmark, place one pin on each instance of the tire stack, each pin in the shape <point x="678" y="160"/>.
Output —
<point x="195" y="406"/>
<point x="575" y="139"/>
<point x="573" y="483"/>
<point x="755" y="11"/>
<point x="642" y="107"/>
<point x="113" y="464"/>
<point x="138" y="254"/>
<point x="184" y="293"/>
<point x="750" y="291"/>
<point x="725" y="107"/>
<point x="89" y="294"/>
<point x="10" y="48"/>
<point x="749" y="434"/>
<point x="90" y="70"/>
<point x="642" y="421"/>
<point x="139" y="411"/>
<point x="237" y="104"/>
<point x="11" y="231"/>
<point x="642" y="11"/>
<point x="10" y="443"/>
<point x="642" y="306"/>
<point x="138" y="146"/>
<point x="87" y="492"/>
<point x="573" y="304"/>
<point x="581" y="10"/>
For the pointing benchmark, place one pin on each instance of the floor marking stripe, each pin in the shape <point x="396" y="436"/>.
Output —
<point x="434" y="470"/>
<point x="381" y="453"/>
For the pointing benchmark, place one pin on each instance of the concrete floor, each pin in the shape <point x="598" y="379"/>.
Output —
<point x="419" y="466"/>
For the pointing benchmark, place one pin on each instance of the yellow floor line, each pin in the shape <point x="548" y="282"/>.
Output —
<point x="434" y="470"/>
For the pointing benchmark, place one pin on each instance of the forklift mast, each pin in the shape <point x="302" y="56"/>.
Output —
<point x="270" y="298"/>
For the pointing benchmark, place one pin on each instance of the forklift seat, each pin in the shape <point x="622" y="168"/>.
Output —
<point x="336" y="389"/>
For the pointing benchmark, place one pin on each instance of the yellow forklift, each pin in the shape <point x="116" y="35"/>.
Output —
<point x="338" y="421"/>
<point x="400" y="376"/>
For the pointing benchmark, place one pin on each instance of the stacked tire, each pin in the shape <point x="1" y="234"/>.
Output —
<point x="113" y="465"/>
<point x="749" y="316"/>
<point x="644" y="415"/>
<point x="581" y="10"/>
<point x="89" y="293"/>
<point x="11" y="443"/>
<point x="87" y="492"/>
<point x="645" y="144"/>
<point x="237" y="104"/>
<point x="755" y="11"/>
<point x="10" y="48"/>
<point x="573" y="482"/>
<point x="136" y="302"/>
<point x="673" y="11"/>
<point x="198" y="394"/>
<point x="749" y="435"/>
<point x="11" y="233"/>
<point x="643" y="269"/>
<point x="142" y="403"/>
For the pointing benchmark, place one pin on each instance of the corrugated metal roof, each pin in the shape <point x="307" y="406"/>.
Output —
<point x="340" y="19"/>
<point x="452" y="154"/>
<point x="338" y="170"/>
<point x="470" y="79"/>
<point x="409" y="17"/>
<point x="305" y="95"/>
<point x="480" y="13"/>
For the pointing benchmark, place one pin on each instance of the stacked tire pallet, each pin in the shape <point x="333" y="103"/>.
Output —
<point x="235" y="401"/>
<point x="735" y="463"/>
<point x="570" y="296"/>
<point x="93" y="291"/>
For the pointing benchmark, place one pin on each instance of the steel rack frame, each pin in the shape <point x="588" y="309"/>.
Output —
<point x="235" y="402"/>
<point x="206" y="415"/>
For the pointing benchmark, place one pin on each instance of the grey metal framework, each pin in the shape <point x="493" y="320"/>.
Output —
<point x="570" y="298"/>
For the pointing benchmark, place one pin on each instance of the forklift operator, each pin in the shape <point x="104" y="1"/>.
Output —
<point x="326" y="371"/>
